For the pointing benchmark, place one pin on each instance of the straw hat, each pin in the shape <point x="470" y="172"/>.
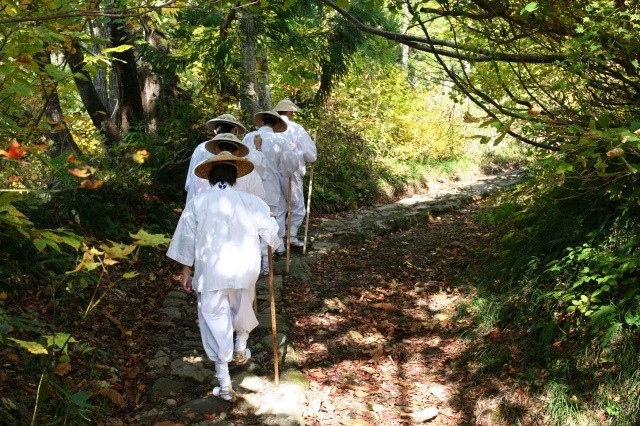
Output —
<point x="259" y="117"/>
<point x="226" y="119"/>
<point x="286" y="105"/>
<point x="241" y="149"/>
<point x="242" y="165"/>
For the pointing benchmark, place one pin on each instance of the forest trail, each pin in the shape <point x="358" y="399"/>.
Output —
<point x="371" y="325"/>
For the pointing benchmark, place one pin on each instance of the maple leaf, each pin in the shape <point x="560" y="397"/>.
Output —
<point x="15" y="151"/>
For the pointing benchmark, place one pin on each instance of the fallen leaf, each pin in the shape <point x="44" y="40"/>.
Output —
<point x="91" y="183"/>
<point x="377" y="353"/>
<point x="389" y="307"/>
<point x="80" y="172"/>
<point x="113" y="395"/>
<point x="422" y="416"/>
<point x="62" y="369"/>
<point x="355" y="422"/>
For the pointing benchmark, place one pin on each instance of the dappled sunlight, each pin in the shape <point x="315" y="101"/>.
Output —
<point x="386" y="333"/>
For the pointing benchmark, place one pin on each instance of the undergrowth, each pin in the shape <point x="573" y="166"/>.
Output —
<point x="564" y="281"/>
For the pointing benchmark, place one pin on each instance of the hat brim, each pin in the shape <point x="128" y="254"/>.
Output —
<point x="211" y="124"/>
<point x="279" y="128"/>
<point x="242" y="165"/>
<point x="241" y="149"/>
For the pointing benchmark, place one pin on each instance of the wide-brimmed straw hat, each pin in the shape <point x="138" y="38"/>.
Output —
<point x="226" y="119"/>
<point x="241" y="149"/>
<point x="286" y="105"/>
<point x="242" y="165"/>
<point x="259" y="117"/>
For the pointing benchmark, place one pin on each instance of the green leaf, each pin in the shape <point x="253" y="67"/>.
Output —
<point x="564" y="167"/>
<point x="531" y="7"/>
<point x="33" y="347"/>
<point x="40" y="244"/>
<point x="129" y="275"/>
<point x="60" y="340"/>
<point x="143" y="238"/>
<point x="117" y="49"/>
<point x="80" y="399"/>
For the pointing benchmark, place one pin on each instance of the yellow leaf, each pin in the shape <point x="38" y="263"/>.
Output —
<point x="140" y="156"/>
<point x="33" y="347"/>
<point x="110" y="262"/>
<point x="118" y="250"/>
<point x="3" y="295"/>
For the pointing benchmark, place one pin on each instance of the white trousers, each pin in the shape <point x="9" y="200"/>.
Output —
<point x="298" y="211"/>
<point x="222" y="312"/>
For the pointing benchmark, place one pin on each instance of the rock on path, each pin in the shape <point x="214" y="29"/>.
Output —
<point x="183" y="378"/>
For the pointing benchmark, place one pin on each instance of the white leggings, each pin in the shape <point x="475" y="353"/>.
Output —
<point x="220" y="313"/>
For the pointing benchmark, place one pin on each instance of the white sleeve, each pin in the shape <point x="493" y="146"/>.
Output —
<point x="307" y="146"/>
<point x="183" y="243"/>
<point x="288" y="160"/>
<point x="267" y="226"/>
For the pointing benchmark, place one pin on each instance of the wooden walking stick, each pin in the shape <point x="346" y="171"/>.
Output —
<point x="274" y="327"/>
<point x="289" y="225"/>
<point x="306" y="226"/>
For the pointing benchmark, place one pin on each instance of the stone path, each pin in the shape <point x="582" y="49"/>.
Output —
<point x="183" y="377"/>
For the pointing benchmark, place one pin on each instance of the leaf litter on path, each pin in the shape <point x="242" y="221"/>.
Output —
<point x="397" y="351"/>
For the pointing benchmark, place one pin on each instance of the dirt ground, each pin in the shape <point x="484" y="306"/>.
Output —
<point x="386" y="337"/>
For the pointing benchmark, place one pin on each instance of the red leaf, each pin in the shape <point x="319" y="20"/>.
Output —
<point x="15" y="151"/>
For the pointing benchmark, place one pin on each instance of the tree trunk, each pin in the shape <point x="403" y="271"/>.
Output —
<point x="101" y="80"/>
<point x="249" y="101"/>
<point x="89" y="95"/>
<point x="130" y="111"/>
<point x="264" y="93"/>
<point x="60" y="134"/>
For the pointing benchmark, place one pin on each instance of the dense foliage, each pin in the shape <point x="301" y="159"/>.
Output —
<point x="103" y="102"/>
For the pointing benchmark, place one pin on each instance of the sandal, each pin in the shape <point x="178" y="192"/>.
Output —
<point x="227" y="393"/>
<point x="241" y="358"/>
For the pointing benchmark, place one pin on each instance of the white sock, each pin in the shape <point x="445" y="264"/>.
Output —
<point x="241" y="341"/>
<point x="222" y="373"/>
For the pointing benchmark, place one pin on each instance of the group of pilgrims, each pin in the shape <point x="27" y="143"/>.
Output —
<point x="237" y="205"/>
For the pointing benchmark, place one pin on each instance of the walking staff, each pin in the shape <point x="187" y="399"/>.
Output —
<point x="274" y="326"/>
<point x="306" y="226"/>
<point x="288" y="265"/>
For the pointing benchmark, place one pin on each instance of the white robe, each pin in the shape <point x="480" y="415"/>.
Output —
<point x="219" y="233"/>
<point x="251" y="183"/>
<point x="280" y="160"/>
<point x="306" y="152"/>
